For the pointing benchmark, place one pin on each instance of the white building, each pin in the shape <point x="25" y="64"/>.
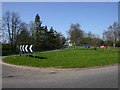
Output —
<point x="68" y="43"/>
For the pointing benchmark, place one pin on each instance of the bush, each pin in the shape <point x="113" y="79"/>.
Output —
<point x="6" y="50"/>
<point x="117" y="43"/>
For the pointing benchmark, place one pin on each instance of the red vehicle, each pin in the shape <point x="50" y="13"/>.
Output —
<point x="104" y="47"/>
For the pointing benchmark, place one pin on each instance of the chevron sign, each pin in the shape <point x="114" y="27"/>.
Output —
<point x="26" y="48"/>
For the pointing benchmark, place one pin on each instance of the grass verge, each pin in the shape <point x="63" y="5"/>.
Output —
<point x="68" y="58"/>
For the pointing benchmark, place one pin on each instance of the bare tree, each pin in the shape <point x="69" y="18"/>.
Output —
<point x="90" y="35"/>
<point x="0" y="31"/>
<point x="118" y="32"/>
<point x="31" y="28"/>
<point x="75" y="33"/>
<point x="11" y="25"/>
<point x="113" y="33"/>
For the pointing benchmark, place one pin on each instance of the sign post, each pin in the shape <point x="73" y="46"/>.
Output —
<point x="26" y="49"/>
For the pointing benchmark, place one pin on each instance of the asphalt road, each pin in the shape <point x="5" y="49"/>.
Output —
<point x="16" y="77"/>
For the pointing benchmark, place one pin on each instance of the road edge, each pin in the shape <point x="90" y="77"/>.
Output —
<point x="56" y="69"/>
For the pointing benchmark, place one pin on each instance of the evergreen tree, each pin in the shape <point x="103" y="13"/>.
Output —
<point x="45" y="39"/>
<point x="37" y="33"/>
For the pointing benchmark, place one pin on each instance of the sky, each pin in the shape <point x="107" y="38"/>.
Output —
<point x="92" y="16"/>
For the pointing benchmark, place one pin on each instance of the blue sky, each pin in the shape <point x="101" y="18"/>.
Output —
<point x="92" y="16"/>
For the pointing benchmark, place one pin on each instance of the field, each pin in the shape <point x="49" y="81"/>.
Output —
<point x="67" y="58"/>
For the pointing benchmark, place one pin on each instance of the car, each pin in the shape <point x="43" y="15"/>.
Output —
<point x="104" y="47"/>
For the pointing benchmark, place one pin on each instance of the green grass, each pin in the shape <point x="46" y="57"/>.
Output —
<point x="68" y="58"/>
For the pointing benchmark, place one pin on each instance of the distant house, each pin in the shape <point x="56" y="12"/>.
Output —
<point x="68" y="43"/>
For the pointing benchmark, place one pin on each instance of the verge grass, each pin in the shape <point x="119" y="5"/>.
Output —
<point x="68" y="58"/>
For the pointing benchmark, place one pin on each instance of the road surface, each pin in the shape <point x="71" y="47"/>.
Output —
<point x="19" y="77"/>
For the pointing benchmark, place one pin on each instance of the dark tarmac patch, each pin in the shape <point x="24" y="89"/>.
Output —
<point x="10" y="76"/>
<point x="52" y="72"/>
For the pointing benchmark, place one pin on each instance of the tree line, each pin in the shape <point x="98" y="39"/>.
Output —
<point x="17" y="32"/>
<point x="112" y="35"/>
<point x="80" y="37"/>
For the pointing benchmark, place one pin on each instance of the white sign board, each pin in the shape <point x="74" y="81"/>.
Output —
<point x="26" y="48"/>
